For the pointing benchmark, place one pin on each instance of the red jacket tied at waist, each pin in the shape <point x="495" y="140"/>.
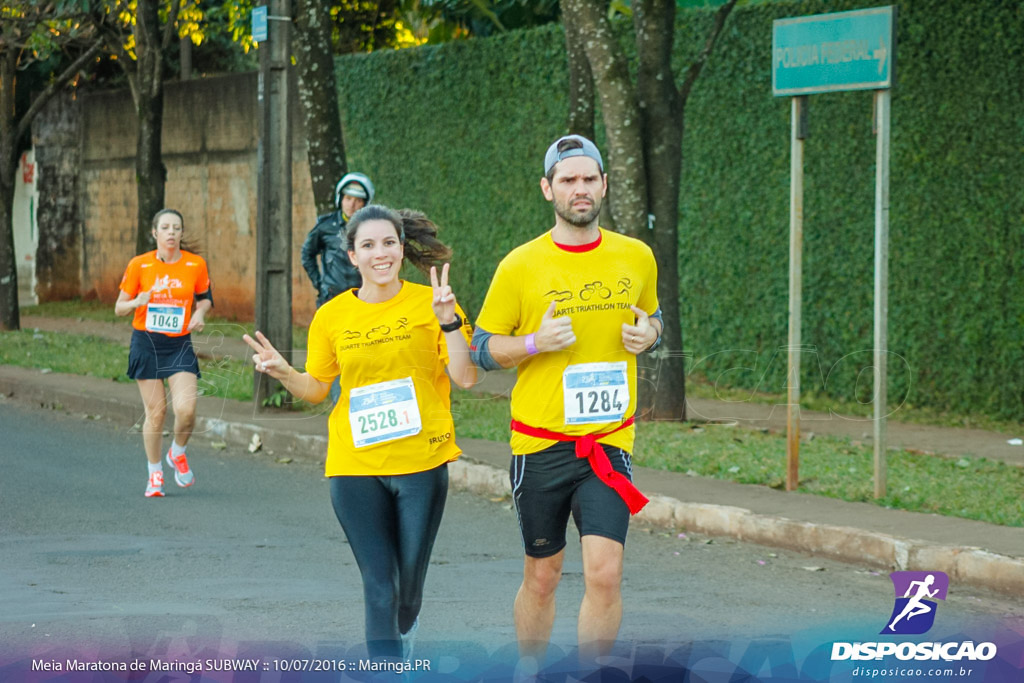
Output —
<point x="588" y="447"/>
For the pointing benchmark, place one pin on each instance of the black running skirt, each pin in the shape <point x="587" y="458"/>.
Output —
<point x="155" y="356"/>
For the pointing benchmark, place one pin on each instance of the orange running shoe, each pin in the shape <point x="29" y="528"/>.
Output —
<point x="183" y="476"/>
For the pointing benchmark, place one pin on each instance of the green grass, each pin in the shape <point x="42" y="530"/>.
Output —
<point x="96" y="310"/>
<point x="76" y="308"/>
<point x="969" y="488"/>
<point x="696" y="385"/>
<point x="96" y="357"/>
<point x="77" y="355"/>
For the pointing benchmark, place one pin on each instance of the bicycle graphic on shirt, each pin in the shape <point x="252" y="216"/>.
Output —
<point x="593" y="289"/>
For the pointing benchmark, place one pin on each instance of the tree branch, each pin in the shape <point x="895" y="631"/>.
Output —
<point x="40" y="101"/>
<point x="698" y="65"/>
<point x="114" y="39"/>
<point x="169" y="28"/>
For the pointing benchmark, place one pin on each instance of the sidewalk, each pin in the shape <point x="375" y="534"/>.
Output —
<point x="970" y="552"/>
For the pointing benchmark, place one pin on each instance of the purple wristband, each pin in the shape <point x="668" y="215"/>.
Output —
<point x="531" y="347"/>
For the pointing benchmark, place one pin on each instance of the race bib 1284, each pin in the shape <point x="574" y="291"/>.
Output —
<point x="595" y="392"/>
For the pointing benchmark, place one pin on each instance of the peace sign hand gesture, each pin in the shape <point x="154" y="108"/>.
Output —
<point x="268" y="360"/>
<point x="444" y="299"/>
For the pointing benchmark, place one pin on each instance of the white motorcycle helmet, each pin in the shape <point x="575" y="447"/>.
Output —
<point x="354" y="185"/>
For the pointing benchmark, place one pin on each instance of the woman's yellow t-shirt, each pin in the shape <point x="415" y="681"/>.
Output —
<point x="394" y="413"/>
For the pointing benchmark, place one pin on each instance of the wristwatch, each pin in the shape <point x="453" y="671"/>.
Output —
<point x="453" y="325"/>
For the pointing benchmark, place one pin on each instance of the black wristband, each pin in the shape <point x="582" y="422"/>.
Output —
<point x="453" y="325"/>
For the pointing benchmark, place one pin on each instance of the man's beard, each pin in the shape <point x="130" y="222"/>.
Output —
<point x="579" y="220"/>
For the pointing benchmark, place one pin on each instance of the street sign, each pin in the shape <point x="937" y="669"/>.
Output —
<point x="259" y="23"/>
<point x="834" y="52"/>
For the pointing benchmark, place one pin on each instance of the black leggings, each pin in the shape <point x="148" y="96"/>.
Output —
<point x="391" y="523"/>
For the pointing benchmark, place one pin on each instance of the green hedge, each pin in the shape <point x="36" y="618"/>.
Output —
<point x="460" y="130"/>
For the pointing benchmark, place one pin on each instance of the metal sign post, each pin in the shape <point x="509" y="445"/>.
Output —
<point x="882" y="105"/>
<point x="796" y="240"/>
<point x="832" y="53"/>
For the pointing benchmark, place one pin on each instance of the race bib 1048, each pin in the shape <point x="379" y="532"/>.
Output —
<point x="164" y="318"/>
<point x="595" y="392"/>
<point x="383" y="412"/>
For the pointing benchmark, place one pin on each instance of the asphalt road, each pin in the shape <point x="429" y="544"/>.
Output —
<point x="252" y="559"/>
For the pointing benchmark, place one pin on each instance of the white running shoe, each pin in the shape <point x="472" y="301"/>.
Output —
<point x="155" y="486"/>
<point x="183" y="476"/>
<point x="409" y="640"/>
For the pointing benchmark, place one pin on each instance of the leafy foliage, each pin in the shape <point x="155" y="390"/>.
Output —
<point x="459" y="131"/>
<point x="485" y="18"/>
<point x="956" y="220"/>
<point x="219" y="30"/>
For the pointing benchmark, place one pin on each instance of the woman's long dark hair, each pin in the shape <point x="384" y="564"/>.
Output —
<point x="417" y="233"/>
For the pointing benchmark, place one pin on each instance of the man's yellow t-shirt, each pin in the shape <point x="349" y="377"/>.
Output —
<point x="589" y="387"/>
<point x="394" y="413"/>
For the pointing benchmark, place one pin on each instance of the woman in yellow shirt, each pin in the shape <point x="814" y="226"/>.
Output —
<point x="391" y="434"/>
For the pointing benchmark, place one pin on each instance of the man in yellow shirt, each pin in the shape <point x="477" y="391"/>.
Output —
<point x="571" y="310"/>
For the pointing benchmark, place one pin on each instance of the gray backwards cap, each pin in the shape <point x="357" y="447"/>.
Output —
<point x="589" y="149"/>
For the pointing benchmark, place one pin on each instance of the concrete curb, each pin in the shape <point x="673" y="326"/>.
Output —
<point x="843" y="543"/>
<point x="965" y="564"/>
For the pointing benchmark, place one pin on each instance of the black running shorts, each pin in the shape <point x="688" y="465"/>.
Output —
<point x="155" y="356"/>
<point x="550" y="484"/>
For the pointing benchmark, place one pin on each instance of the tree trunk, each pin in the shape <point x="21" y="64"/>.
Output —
<point x="150" y="173"/>
<point x="624" y="161"/>
<point x="318" y="92"/>
<point x="10" y="317"/>
<point x="185" y="58"/>
<point x="662" y="373"/>
<point x="56" y="140"/>
<point x="645" y="135"/>
<point x="581" y="80"/>
<point x="11" y="131"/>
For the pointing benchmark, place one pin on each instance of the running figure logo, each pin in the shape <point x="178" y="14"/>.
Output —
<point x="914" y="612"/>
